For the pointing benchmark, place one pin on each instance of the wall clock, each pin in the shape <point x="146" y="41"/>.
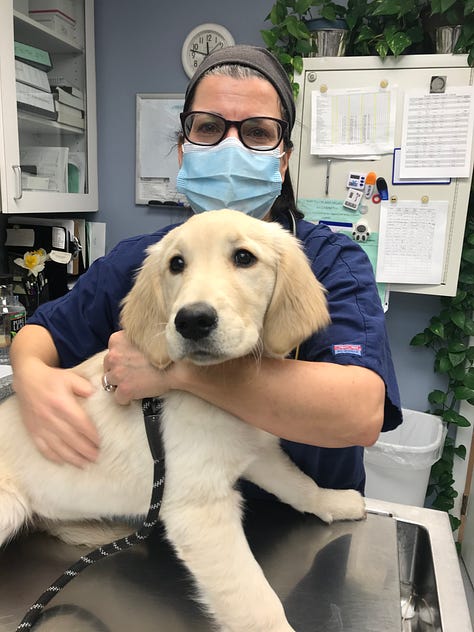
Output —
<point x="201" y="42"/>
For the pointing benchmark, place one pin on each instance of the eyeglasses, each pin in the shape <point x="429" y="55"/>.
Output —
<point x="261" y="133"/>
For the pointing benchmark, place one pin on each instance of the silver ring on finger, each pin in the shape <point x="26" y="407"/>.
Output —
<point x="110" y="388"/>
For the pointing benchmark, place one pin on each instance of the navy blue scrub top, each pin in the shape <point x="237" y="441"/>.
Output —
<point x="82" y="321"/>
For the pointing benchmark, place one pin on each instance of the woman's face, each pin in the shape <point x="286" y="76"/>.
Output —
<point x="237" y="99"/>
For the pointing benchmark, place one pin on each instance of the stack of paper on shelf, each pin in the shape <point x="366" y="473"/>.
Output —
<point x="68" y="95"/>
<point x="69" y="107"/>
<point x="32" y="86"/>
<point x="70" y="116"/>
<point x="33" y="56"/>
<point x="50" y="162"/>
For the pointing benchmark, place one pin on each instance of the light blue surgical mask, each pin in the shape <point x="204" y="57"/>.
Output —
<point x="229" y="175"/>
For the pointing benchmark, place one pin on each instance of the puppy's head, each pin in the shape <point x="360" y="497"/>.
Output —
<point x="220" y="286"/>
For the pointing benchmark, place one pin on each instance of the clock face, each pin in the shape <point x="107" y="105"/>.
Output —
<point x="201" y="42"/>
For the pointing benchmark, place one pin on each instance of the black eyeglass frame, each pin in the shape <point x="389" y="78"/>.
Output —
<point x="238" y="124"/>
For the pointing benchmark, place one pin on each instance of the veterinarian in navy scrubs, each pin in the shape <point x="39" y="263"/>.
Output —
<point x="328" y="403"/>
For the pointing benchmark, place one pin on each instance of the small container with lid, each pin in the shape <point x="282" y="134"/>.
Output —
<point x="12" y="316"/>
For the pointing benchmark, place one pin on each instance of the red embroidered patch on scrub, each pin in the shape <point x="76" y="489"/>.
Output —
<point x="347" y="349"/>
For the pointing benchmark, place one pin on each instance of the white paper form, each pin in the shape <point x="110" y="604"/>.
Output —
<point x="351" y="123"/>
<point x="437" y="134"/>
<point x="411" y="242"/>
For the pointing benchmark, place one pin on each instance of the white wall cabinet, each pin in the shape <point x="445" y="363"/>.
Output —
<point x="73" y="59"/>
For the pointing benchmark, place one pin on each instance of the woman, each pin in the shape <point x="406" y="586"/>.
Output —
<point x="327" y="404"/>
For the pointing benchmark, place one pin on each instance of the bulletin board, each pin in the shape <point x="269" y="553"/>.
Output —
<point x="157" y="127"/>
<point x="409" y="120"/>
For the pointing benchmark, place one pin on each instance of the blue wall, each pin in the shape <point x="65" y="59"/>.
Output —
<point x="138" y="49"/>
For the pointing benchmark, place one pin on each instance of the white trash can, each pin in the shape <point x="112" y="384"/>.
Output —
<point x="398" y="465"/>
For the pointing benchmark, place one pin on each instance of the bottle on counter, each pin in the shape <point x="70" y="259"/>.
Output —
<point x="12" y="316"/>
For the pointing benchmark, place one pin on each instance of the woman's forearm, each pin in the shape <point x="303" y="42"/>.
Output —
<point x="309" y="402"/>
<point x="33" y="342"/>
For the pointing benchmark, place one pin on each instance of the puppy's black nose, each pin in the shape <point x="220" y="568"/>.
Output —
<point x="196" y="321"/>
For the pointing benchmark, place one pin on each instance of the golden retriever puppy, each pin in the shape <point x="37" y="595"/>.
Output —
<point x="219" y="287"/>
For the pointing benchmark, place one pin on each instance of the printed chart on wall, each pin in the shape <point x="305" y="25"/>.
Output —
<point x="157" y="126"/>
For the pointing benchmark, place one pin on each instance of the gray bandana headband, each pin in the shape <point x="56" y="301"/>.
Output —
<point x="253" y="57"/>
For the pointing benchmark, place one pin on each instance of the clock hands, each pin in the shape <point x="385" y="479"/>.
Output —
<point x="205" y="54"/>
<point x="218" y="45"/>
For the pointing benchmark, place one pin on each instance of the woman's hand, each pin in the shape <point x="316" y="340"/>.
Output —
<point x="58" y="424"/>
<point x="129" y="370"/>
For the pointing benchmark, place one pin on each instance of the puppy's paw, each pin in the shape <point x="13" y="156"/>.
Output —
<point x="339" y="504"/>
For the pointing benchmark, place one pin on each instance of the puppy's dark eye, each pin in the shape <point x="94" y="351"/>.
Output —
<point x="244" y="258"/>
<point x="176" y="264"/>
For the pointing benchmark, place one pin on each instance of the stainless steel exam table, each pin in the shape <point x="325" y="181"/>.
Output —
<point x="396" y="571"/>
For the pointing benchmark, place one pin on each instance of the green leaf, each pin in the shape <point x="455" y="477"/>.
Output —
<point x="437" y="397"/>
<point x="452" y="417"/>
<point x="278" y="13"/>
<point x="382" y="48"/>
<point x="437" y="328"/>
<point x="469" y="379"/>
<point x="419" y="340"/>
<point x="298" y="64"/>
<point x="398" y="42"/>
<point x="269" y="38"/>
<point x="387" y="7"/>
<point x="463" y="392"/>
<point x="455" y="522"/>
<point x="443" y="503"/>
<point x="302" y="6"/>
<point x="460" y="296"/>
<point x="457" y="358"/>
<point x="329" y="13"/>
<point x="466" y="277"/>
<point x="285" y="59"/>
<point x="461" y="452"/>
<point x="468" y="255"/>
<point x="469" y="327"/>
<point x="443" y="364"/>
<point x="457" y="347"/>
<point x="458" y="318"/>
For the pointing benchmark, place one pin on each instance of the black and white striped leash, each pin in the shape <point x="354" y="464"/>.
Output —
<point x="151" y="408"/>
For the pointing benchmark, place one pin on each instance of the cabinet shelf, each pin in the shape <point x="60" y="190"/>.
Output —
<point x="38" y="125"/>
<point x="31" y="32"/>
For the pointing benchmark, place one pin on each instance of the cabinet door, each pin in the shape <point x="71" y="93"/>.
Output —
<point x="48" y="110"/>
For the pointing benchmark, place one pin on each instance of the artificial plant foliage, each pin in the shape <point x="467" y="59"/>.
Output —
<point x="449" y="337"/>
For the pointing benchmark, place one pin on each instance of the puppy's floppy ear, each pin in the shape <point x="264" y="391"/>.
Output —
<point x="298" y="307"/>
<point x="143" y="315"/>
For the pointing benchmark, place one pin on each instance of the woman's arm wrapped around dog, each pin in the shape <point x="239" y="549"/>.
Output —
<point x="307" y="402"/>
<point x="49" y="399"/>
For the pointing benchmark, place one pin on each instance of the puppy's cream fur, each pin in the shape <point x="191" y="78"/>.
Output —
<point x="266" y="303"/>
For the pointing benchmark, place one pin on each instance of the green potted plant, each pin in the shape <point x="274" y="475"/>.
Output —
<point x="448" y="336"/>
<point x="385" y="27"/>
<point x="289" y="37"/>
<point x="454" y="19"/>
<point x="376" y="27"/>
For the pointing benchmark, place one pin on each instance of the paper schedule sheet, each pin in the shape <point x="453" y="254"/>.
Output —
<point x="412" y="242"/>
<point x="437" y="134"/>
<point x="353" y="122"/>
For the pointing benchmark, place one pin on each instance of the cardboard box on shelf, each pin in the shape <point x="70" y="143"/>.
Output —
<point x="57" y="22"/>
<point x="65" y="7"/>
